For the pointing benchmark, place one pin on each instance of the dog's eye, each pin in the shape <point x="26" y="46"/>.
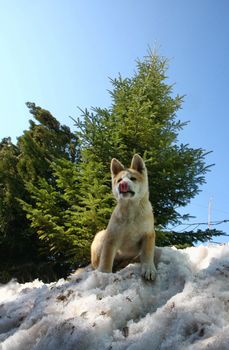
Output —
<point x="119" y="180"/>
<point x="133" y="178"/>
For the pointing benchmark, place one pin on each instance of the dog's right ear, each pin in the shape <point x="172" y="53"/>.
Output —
<point x="116" y="166"/>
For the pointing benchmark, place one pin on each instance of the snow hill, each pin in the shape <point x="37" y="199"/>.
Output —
<point x="187" y="307"/>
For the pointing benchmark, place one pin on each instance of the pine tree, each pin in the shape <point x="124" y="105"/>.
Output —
<point x="17" y="242"/>
<point x="43" y="143"/>
<point x="142" y="119"/>
<point x="22" y="166"/>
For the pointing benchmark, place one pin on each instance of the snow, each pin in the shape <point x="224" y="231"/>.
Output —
<point x="186" y="307"/>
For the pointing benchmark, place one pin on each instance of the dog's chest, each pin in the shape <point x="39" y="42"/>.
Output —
<point x="129" y="226"/>
<point x="130" y="235"/>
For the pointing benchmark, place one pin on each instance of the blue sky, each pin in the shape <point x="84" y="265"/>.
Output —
<point x="60" y="55"/>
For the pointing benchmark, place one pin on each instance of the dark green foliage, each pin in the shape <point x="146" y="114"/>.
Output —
<point x="21" y="166"/>
<point x="16" y="240"/>
<point x="67" y="213"/>
<point x="185" y="238"/>
<point x="94" y="199"/>
<point x="43" y="143"/>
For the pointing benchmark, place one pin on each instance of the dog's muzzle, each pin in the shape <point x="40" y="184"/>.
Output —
<point x="124" y="188"/>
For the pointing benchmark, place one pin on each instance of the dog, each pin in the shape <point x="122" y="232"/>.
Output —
<point x="130" y="232"/>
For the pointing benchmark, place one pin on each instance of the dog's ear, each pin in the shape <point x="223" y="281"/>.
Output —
<point x="138" y="163"/>
<point x="116" y="166"/>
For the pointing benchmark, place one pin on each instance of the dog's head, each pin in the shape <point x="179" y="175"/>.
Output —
<point x="129" y="183"/>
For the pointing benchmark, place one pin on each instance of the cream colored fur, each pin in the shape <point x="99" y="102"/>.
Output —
<point x="130" y="231"/>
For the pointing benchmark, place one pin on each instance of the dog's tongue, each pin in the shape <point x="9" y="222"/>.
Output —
<point x="123" y="187"/>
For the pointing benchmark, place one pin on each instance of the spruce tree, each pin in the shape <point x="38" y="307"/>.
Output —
<point x="18" y="244"/>
<point x="143" y="119"/>
<point x="22" y="166"/>
<point x="44" y="142"/>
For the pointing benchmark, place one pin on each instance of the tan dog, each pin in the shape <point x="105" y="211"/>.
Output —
<point x="130" y="231"/>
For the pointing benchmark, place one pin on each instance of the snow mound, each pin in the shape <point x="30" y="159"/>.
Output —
<point x="186" y="307"/>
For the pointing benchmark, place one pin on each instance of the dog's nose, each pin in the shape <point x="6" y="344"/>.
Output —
<point x="123" y="187"/>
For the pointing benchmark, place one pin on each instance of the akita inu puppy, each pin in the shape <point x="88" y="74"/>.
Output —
<point x="130" y="231"/>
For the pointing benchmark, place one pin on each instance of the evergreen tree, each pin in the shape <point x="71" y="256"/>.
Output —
<point x="142" y="119"/>
<point x="43" y="143"/>
<point x="21" y="166"/>
<point x="17" y="243"/>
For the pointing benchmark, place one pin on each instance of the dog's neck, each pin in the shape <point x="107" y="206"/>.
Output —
<point x="130" y="207"/>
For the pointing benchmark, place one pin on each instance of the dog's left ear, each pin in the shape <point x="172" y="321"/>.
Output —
<point x="138" y="163"/>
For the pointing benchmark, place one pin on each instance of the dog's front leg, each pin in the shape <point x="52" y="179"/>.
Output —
<point x="147" y="256"/>
<point x="107" y="256"/>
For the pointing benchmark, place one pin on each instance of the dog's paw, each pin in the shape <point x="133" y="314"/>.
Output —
<point x="148" y="271"/>
<point x="104" y="269"/>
